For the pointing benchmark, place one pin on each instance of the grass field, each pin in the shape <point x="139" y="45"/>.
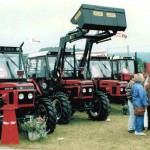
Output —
<point x="84" y="134"/>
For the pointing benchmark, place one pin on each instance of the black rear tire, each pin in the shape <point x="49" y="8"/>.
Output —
<point x="63" y="107"/>
<point x="101" y="108"/>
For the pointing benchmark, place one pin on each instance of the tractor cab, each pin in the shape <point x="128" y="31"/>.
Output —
<point x="11" y="66"/>
<point x="41" y="64"/>
<point x="100" y="67"/>
<point x="122" y="67"/>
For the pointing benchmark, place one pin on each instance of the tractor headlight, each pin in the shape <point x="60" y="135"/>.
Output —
<point x="21" y="96"/>
<point x="30" y="96"/>
<point x="84" y="90"/>
<point x="121" y="89"/>
<point x="90" y="90"/>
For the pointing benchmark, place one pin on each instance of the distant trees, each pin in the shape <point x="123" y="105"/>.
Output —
<point x="48" y="48"/>
<point x="56" y="49"/>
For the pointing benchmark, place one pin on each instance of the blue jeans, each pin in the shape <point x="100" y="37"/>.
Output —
<point x="139" y="123"/>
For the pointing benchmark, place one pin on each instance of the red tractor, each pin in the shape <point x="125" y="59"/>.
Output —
<point x="16" y="90"/>
<point x="68" y="92"/>
<point x="100" y="71"/>
<point x="122" y="69"/>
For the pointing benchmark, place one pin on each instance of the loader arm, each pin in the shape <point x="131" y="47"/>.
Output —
<point x="70" y="37"/>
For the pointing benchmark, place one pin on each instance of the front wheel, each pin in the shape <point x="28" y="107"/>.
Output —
<point x="101" y="107"/>
<point x="63" y="107"/>
<point x="45" y="109"/>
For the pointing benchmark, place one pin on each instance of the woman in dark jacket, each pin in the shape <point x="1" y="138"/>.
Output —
<point x="139" y="99"/>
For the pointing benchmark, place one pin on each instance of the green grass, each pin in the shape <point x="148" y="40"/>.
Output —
<point x="84" y="134"/>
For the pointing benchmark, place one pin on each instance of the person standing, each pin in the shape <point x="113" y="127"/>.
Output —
<point x="139" y="97"/>
<point x="131" y="126"/>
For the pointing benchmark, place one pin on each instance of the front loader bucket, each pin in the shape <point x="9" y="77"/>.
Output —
<point x="94" y="17"/>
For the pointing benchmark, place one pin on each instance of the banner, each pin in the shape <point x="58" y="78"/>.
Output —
<point x="33" y="40"/>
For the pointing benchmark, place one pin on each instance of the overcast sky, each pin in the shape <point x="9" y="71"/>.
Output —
<point x="48" y="20"/>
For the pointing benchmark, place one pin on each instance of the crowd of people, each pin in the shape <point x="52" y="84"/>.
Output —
<point x="138" y="94"/>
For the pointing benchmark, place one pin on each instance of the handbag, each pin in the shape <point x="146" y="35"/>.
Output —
<point x="139" y="111"/>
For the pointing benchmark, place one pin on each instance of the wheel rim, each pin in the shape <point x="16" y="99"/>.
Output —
<point x="96" y="110"/>
<point x="57" y="105"/>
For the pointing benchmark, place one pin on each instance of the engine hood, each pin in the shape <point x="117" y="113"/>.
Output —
<point x="13" y="85"/>
<point x="117" y="82"/>
<point x="78" y="82"/>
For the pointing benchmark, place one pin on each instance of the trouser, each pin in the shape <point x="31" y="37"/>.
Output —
<point x="148" y="113"/>
<point x="131" y="118"/>
<point x="139" y="123"/>
<point x="145" y="119"/>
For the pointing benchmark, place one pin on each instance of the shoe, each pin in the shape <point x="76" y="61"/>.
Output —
<point x="139" y="133"/>
<point x="131" y="131"/>
<point x="108" y="119"/>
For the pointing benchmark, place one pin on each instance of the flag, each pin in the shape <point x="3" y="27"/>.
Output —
<point x="121" y="35"/>
<point x="34" y="40"/>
